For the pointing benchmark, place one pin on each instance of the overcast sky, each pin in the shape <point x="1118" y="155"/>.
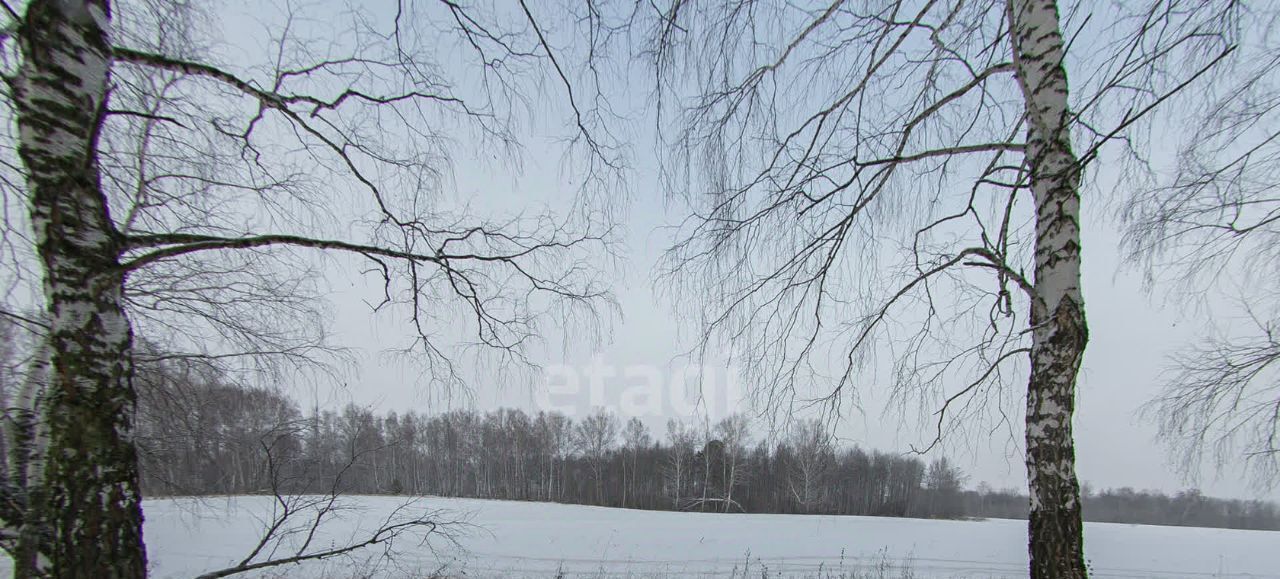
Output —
<point x="1131" y="333"/>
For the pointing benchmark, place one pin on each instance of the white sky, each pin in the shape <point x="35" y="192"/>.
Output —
<point x="1131" y="334"/>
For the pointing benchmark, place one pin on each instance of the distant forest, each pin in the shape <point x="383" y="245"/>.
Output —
<point x="202" y="436"/>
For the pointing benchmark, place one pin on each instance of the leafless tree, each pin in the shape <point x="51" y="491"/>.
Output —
<point x="678" y="465"/>
<point x="734" y="431"/>
<point x="943" y="484"/>
<point x="814" y="453"/>
<point x="595" y="437"/>
<point x="293" y="530"/>
<point x="247" y="430"/>
<point x="558" y="431"/>
<point x="1205" y="228"/>
<point x="902" y="179"/>
<point x="169" y="195"/>
<point x="635" y="439"/>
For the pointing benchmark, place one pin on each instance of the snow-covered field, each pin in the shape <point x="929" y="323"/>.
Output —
<point x="517" y="539"/>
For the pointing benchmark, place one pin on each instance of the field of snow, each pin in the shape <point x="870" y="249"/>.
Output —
<point x="517" y="539"/>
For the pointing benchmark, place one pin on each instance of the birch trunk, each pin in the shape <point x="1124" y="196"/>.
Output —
<point x="1059" y="332"/>
<point x="85" y="505"/>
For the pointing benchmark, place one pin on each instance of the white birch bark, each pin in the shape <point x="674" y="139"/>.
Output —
<point x="1059" y="332"/>
<point x="83" y="513"/>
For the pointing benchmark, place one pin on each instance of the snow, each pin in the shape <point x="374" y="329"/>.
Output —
<point x="526" y="539"/>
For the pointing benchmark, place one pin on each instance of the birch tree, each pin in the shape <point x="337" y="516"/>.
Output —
<point x="635" y="438"/>
<point x="902" y="180"/>
<point x="1203" y="229"/>
<point x="734" y="431"/>
<point x="678" y="466"/>
<point x="595" y="437"/>
<point x="206" y="438"/>
<point x="165" y="188"/>
<point x="812" y="455"/>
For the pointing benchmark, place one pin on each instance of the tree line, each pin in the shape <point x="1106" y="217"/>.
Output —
<point x="202" y="436"/>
